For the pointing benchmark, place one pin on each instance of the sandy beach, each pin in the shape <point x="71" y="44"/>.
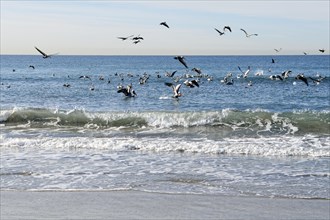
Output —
<point x="144" y="205"/>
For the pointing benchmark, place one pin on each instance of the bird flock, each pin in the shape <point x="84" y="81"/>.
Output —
<point x="191" y="80"/>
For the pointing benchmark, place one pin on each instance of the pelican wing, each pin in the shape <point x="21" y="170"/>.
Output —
<point x="41" y="52"/>
<point x="244" y="31"/>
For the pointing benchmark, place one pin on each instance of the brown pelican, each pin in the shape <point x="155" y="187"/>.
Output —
<point x="302" y="78"/>
<point x="248" y="35"/>
<point x="181" y="59"/>
<point x="164" y="24"/>
<point x="128" y="91"/>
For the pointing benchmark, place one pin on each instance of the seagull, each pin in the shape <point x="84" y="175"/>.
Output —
<point x="85" y="77"/>
<point x="303" y="78"/>
<point x="278" y="50"/>
<point x="221" y="33"/>
<point x="285" y="74"/>
<point x="226" y="27"/>
<point x="176" y="89"/>
<point x="31" y="66"/>
<point x="181" y="59"/>
<point x="170" y="74"/>
<point x="191" y="83"/>
<point x="248" y="35"/>
<point x="322" y="50"/>
<point x="245" y="74"/>
<point x="44" y="55"/>
<point x="164" y="24"/>
<point x="125" y="38"/>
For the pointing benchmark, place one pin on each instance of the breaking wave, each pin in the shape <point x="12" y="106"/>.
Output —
<point x="250" y="122"/>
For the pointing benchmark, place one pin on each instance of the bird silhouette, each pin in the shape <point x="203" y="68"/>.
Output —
<point x="181" y="59"/>
<point x="164" y="24"/>
<point x="226" y="27"/>
<point x="44" y="55"/>
<point x="125" y="38"/>
<point x="221" y="33"/>
<point x="248" y="35"/>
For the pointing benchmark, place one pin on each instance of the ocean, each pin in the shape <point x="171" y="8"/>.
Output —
<point x="251" y="136"/>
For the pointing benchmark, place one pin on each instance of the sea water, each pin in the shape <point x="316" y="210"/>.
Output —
<point x="258" y="136"/>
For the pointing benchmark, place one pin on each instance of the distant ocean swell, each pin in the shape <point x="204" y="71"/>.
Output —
<point x="249" y="122"/>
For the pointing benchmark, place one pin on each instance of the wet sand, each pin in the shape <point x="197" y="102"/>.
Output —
<point x="144" y="205"/>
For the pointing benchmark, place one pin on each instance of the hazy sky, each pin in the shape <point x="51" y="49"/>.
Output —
<point x="92" y="27"/>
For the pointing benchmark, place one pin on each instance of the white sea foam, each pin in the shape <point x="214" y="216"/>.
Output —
<point x="272" y="146"/>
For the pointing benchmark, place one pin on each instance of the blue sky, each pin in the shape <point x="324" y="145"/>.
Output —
<point x="92" y="27"/>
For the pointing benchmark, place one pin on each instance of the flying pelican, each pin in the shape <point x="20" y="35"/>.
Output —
<point x="44" y="55"/>
<point x="164" y="24"/>
<point x="125" y="38"/>
<point x="248" y="35"/>
<point x="322" y="50"/>
<point x="181" y="59"/>
<point x="226" y="27"/>
<point x="176" y="89"/>
<point x="221" y="33"/>
<point x="137" y="38"/>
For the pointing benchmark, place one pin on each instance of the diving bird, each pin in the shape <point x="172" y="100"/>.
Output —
<point x="221" y="33"/>
<point x="302" y="78"/>
<point x="176" y="89"/>
<point x="164" y="24"/>
<point x="181" y="59"/>
<point x="44" y="55"/>
<point x="248" y="35"/>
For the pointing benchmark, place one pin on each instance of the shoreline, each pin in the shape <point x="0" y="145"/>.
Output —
<point x="104" y="204"/>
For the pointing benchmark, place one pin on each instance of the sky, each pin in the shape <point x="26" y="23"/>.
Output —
<point x="83" y="27"/>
